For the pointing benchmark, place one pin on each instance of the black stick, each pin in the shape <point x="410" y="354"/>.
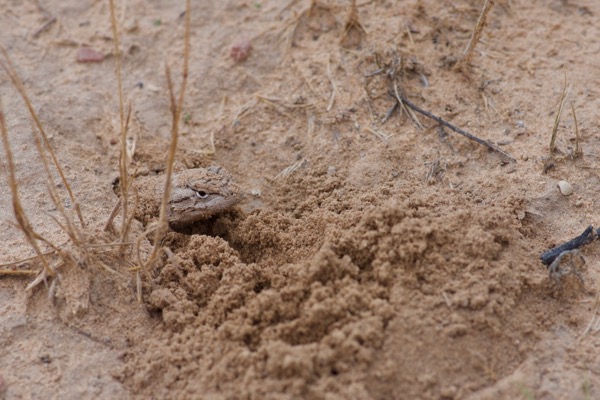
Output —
<point x="454" y="128"/>
<point x="589" y="235"/>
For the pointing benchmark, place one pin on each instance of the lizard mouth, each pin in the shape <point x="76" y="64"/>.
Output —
<point x="192" y="206"/>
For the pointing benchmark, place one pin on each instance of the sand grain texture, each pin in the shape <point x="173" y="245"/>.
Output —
<point x="368" y="260"/>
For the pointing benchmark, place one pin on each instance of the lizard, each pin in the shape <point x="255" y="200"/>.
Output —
<point x="196" y="194"/>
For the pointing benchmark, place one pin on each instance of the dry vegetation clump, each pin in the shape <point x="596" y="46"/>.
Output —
<point x="90" y="247"/>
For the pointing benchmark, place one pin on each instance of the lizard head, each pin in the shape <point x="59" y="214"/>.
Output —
<point x="199" y="194"/>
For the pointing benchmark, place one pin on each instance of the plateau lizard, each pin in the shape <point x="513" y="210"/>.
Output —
<point x="196" y="194"/>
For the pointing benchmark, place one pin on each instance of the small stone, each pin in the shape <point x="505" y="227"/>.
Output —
<point x="565" y="188"/>
<point x="240" y="50"/>
<point x="89" y="55"/>
<point x="456" y="330"/>
<point x="448" y="392"/>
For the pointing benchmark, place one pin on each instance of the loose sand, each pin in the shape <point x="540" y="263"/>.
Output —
<point x="386" y="261"/>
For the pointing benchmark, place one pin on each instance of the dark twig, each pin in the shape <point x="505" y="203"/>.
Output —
<point x="588" y="236"/>
<point x="452" y="127"/>
<point x="389" y="112"/>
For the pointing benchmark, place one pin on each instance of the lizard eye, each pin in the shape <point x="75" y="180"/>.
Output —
<point x="201" y="194"/>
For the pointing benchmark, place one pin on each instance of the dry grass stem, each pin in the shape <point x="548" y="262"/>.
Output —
<point x="243" y="110"/>
<point x="138" y="286"/>
<point x="25" y="260"/>
<point x="476" y="34"/>
<point x="274" y="106"/>
<point x="131" y="141"/>
<point x="577" y="145"/>
<point x="43" y="275"/>
<point x="176" y="107"/>
<point x="70" y="228"/>
<point x="409" y="35"/>
<point x="408" y="111"/>
<point x="211" y="145"/>
<point x="108" y="226"/>
<point x="123" y="174"/>
<point x="44" y="27"/>
<point x="333" y="86"/>
<point x="22" y="220"/>
<point x="353" y="25"/>
<point x="488" y="104"/>
<point x="293" y="24"/>
<point x="275" y="101"/>
<point x="9" y="68"/>
<point x="98" y="246"/>
<point x="310" y="126"/>
<point x="18" y="272"/>
<point x="561" y="104"/>
<point x="593" y="320"/>
<point x="381" y="135"/>
<point x="310" y="86"/>
<point x="289" y="170"/>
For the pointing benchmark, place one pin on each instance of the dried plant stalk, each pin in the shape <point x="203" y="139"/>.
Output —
<point x="123" y="174"/>
<point x="561" y="104"/>
<point x="176" y="107"/>
<point x="476" y="34"/>
<point x="22" y="220"/>
<point x="577" y="145"/>
<point x="9" y="68"/>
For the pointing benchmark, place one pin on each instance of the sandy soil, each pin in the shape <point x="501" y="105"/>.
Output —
<point x="389" y="262"/>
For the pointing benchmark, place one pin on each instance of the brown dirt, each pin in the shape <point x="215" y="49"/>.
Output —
<point x="392" y="262"/>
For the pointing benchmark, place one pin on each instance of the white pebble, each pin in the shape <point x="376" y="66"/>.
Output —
<point x="565" y="188"/>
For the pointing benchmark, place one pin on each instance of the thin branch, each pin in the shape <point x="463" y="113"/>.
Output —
<point x="455" y="129"/>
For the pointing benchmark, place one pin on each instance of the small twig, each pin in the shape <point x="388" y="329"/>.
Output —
<point x="454" y="128"/>
<point x="18" y="272"/>
<point x="588" y="236"/>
